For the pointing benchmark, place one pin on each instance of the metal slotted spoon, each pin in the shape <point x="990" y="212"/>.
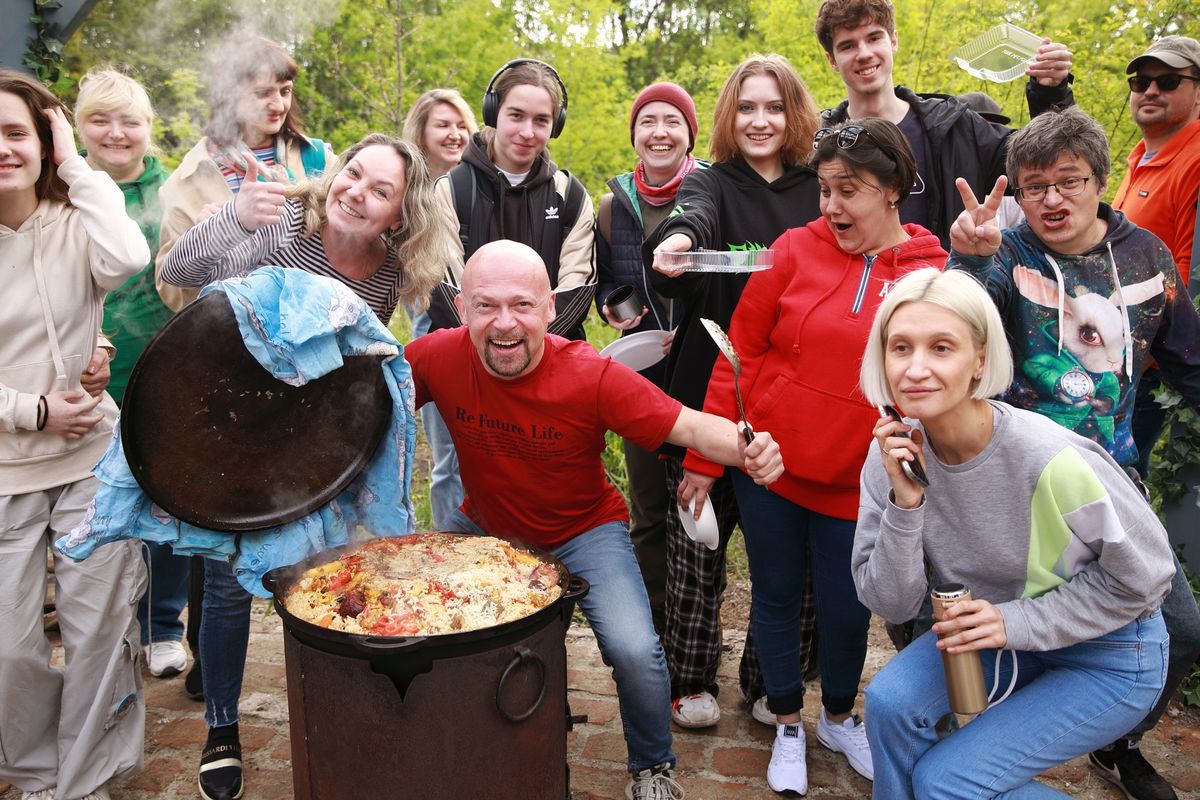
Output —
<point x="726" y="348"/>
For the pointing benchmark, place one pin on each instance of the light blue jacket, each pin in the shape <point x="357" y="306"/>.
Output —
<point x="298" y="326"/>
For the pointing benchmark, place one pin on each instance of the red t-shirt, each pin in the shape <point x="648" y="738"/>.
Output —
<point x="529" y="448"/>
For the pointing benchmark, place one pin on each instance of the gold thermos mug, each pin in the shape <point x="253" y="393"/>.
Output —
<point x="964" y="672"/>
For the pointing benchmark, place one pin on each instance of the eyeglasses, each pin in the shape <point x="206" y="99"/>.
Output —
<point x="1067" y="187"/>
<point x="1167" y="82"/>
<point x="847" y="137"/>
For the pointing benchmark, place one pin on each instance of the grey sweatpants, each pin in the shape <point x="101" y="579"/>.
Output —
<point x="78" y="727"/>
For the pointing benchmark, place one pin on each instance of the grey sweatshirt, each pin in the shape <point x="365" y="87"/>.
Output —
<point x="1042" y="523"/>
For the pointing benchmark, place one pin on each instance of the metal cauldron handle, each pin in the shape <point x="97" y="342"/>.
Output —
<point x="577" y="587"/>
<point x="522" y="654"/>
<point x="384" y="646"/>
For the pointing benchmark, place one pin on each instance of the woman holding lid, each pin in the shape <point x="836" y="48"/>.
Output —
<point x="1066" y="561"/>
<point x="799" y="329"/>
<point x="65" y="241"/>
<point x="758" y="186"/>
<point x="370" y="223"/>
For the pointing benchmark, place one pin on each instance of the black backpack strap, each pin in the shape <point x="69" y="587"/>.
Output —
<point x="572" y="203"/>
<point x="462" y="193"/>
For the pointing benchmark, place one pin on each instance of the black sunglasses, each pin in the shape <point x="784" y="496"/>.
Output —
<point x="1167" y="82"/>
<point x="847" y="137"/>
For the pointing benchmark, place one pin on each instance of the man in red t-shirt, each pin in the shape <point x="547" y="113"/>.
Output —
<point x="528" y="414"/>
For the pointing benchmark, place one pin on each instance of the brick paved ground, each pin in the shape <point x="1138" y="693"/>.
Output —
<point x="727" y="762"/>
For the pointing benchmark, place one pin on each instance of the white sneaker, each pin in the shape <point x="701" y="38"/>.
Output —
<point x="654" y="784"/>
<point x="763" y="714"/>
<point x="166" y="659"/>
<point x="696" y="711"/>
<point x="99" y="794"/>
<point x="850" y="739"/>
<point x="788" y="770"/>
<point x="42" y="794"/>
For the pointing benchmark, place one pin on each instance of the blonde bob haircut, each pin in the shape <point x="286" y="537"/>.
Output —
<point x="799" y="109"/>
<point x="418" y="115"/>
<point x="426" y="242"/>
<point x="107" y="91"/>
<point x="958" y="293"/>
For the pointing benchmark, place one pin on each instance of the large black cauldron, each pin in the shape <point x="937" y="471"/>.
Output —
<point x="478" y="714"/>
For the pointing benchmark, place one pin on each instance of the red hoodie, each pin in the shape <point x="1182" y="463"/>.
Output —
<point x="800" y="329"/>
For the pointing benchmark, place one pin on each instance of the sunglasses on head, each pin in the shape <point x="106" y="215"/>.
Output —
<point x="1167" y="82"/>
<point x="847" y="137"/>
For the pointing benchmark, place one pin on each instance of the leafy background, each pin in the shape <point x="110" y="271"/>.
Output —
<point x="363" y="62"/>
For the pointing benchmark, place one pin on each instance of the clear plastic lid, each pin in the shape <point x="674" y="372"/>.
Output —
<point x="1000" y="55"/>
<point x="717" y="260"/>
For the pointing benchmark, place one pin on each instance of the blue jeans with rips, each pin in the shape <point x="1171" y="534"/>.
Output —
<point x="224" y="636"/>
<point x="618" y="610"/>
<point x="1066" y="702"/>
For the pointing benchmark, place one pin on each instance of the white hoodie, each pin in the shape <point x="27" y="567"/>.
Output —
<point x="54" y="272"/>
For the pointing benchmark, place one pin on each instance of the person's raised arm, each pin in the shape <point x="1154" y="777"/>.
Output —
<point x="720" y="440"/>
<point x="235" y="240"/>
<point x="1049" y="84"/>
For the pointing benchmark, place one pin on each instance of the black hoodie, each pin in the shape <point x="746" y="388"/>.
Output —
<point x="728" y="206"/>
<point x="532" y="213"/>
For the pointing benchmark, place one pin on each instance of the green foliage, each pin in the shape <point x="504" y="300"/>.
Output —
<point x="1190" y="688"/>
<point x="44" y="50"/>
<point x="364" y="62"/>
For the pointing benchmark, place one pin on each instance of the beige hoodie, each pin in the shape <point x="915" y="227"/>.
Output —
<point x="57" y="267"/>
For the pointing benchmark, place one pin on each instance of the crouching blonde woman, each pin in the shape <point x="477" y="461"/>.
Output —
<point x="1066" y="561"/>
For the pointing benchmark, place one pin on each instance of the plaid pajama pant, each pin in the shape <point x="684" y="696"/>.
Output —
<point x="695" y="587"/>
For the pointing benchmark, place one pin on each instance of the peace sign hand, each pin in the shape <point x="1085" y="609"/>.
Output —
<point x="258" y="203"/>
<point x="975" y="232"/>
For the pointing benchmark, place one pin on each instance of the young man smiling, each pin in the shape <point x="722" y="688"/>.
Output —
<point x="1088" y="299"/>
<point x="948" y="139"/>
<point x="508" y="188"/>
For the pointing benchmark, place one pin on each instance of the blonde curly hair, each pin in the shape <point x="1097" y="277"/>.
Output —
<point x="426" y="243"/>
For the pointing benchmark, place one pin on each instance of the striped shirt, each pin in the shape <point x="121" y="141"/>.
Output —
<point x="220" y="248"/>
<point x="265" y="157"/>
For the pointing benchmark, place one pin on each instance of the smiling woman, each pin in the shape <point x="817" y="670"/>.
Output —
<point x="370" y="223"/>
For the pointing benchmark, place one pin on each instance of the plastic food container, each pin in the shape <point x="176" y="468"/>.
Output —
<point x="1000" y="55"/>
<point x="718" y="260"/>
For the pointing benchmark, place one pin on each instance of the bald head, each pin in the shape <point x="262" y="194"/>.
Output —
<point x="507" y="260"/>
<point x="507" y="306"/>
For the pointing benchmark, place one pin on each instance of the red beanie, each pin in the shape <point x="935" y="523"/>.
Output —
<point x="673" y="94"/>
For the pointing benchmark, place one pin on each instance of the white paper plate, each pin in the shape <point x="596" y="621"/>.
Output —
<point x="705" y="530"/>
<point x="637" y="350"/>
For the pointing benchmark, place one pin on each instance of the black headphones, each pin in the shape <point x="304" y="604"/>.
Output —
<point x="491" y="98"/>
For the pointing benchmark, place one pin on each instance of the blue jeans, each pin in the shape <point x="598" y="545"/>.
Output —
<point x="1066" y="703"/>
<point x="445" y="486"/>
<point x="617" y="609"/>
<point x="166" y="594"/>
<point x="778" y="535"/>
<point x="224" y="634"/>
<point x="1182" y="619"/>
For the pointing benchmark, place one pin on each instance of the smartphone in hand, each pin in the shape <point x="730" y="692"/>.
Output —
<point x="913" y="469"/>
